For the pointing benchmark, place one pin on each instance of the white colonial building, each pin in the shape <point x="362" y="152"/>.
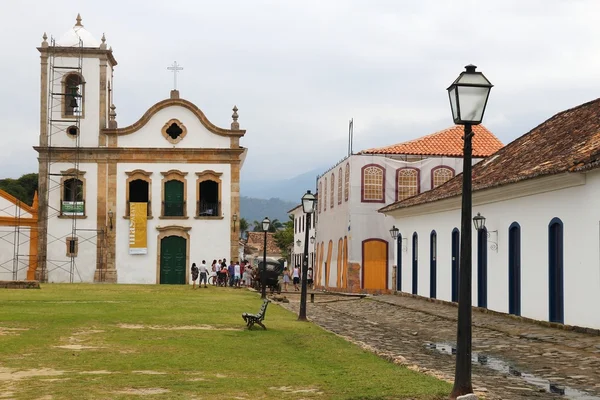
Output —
<point x="297" y="252"/>
<point x="539" y="254"/>
<point x="133" y="204"/>
<point x="353" y="240"/>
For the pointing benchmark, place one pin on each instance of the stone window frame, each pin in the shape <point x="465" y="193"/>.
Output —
<point x="133" y="176"/>
<point x="72" y="173"/>
<point x="63" y="86"/>
<point x="435" y="172"/>
<point x="347" y="182"/>
<point x="400" y="173"/>
<point x="167" y="136"/>
<point x="173" y="175"/>
<point x="366" y="197"/>
<point x="68" y="241"/>
<point x="325" y="195"/>
<point x="173" y="230"/>
<point x="208" y="175"/>
<point x="340" y="184"/>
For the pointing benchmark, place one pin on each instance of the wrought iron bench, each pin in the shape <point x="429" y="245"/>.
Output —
<point x="252" y="319"/>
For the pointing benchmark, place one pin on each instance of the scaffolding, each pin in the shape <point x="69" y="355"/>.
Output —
<point x="16" y="235"/>
<point x="67" y="97"/>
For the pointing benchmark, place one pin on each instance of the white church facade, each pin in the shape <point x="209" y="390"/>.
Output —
<point x="539" y="254"/>
<point x="132" y="204"/>
<point x="354" y="250"/>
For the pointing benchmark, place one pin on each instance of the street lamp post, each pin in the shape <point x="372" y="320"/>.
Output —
<point x="263" y="277"/>
<point x="468" y="97"/>
<point x="308" y="206"/>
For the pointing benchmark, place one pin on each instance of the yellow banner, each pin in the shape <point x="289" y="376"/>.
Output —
<point x="138" y="213"/>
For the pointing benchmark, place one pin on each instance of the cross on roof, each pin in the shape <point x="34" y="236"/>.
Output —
<point x="175" y="68"/>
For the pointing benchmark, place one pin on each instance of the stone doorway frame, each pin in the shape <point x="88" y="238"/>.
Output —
<point x="173" y="230"/>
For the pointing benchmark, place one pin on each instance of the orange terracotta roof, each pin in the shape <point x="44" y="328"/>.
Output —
<point x="447" y="142"/>
<point x="256" y="241"/>
<point x="567" y="142"/>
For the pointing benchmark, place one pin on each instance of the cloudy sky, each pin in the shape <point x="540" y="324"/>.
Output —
<point x="299" y="70"/>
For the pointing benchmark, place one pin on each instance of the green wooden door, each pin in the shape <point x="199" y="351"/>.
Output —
<point x="172" y="260"/>
<point x="174" y="199"/>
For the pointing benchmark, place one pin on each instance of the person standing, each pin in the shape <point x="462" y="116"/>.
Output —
<point x="296" y="277"/>
<point x="309" y="278"/>
<point x="194" y="275"/>
<point x="231" y="272"/>
<point x="237" y="274"/>
<point x="286" y="278"/>
<point x="203" y="274"/>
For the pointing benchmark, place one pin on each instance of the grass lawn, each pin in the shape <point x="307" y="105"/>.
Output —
<point x="84" y="341"/>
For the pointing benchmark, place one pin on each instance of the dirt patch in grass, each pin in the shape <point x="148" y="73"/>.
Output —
<point x="143" y="392"/>
<point x="100" y="372"/>
<point x="149" y="372"/>
<point x="11" y="331"/>
<point x="76" y="347"/>
<point x="7" y="374"/>
<point x="290" y="389"/>
<point x="178" y="328"/>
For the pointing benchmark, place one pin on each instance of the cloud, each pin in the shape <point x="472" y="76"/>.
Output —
<point x="299" y="70"/>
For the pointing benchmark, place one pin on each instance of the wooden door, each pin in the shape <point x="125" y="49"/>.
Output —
<point x="173" y="260"/>
<point x="375" y="260"/>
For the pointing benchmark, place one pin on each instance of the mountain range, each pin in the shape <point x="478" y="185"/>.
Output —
<point x="274" y="198"/>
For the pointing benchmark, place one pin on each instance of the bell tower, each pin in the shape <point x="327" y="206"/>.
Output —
<point x="75" y="98"/>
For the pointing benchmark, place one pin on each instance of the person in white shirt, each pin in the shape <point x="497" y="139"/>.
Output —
<point x="309" y="278"/>
<point x="203" y="274"/>
<point x="236" y="274"/>
<point x="296" y="277"/>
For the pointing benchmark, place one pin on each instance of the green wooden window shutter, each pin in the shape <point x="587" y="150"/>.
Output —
<point x="174" y="204"/>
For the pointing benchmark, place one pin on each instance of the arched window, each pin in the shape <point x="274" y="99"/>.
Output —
<point x="73" y="196"/>
<point x="373" y="188"/>
<point x="415" y="263"/>
<point x="441" y="175"/>
<point x="332" y="200"/>
<point x="340" y="186"/>
<point x="347" y="182"/>
<point x="73" y="89"/>
<point x="556" y="271"/>
<point x="407" y="183"/>
<point x="138" y="190"/>
<point x="320" y="203"/>
<point x="325" y="195"/>
<point x="433" y="264"/>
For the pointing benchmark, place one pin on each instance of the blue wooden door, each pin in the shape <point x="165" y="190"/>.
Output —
<point x="455" y="262"/>
<point x="399" y="263"/>
<point x="555" y="273"/>
<point x="514" y="269"/>
<point x="433" y="265"/>
<point x="415" y="263"/>
<point x="482" y="268"/>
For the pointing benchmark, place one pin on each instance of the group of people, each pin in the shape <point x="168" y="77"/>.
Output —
<point x="235" y="274"/>
<point x="294" y="275"/>
<point x="238" y="274"/>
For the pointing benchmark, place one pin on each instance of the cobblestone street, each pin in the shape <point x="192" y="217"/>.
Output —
<point x="512" y="359"/>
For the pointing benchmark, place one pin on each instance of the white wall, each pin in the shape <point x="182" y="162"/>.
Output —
<point x="209" y="239"/>
<point x="197" y="135"/>
<point x="58" y="263"/>
<point x="577" y="208"/>
<point x="300" y="234"/>
<point x="90" y="121"/>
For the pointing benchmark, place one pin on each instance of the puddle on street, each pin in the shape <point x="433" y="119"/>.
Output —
<point x="503" y="367"/>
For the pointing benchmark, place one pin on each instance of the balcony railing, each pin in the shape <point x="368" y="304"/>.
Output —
<point x="173" y="208"/>
<point x="206" y="209"/>
<point x="72" y="208"/>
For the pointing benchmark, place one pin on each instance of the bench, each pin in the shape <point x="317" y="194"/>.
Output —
<point x="252" y="319"/>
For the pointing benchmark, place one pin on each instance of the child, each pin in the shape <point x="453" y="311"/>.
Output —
<point x="194" y="274"/>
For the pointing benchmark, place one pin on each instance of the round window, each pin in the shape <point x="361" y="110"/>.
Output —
<point x="73" y="131"/>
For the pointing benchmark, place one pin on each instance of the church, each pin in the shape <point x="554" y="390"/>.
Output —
<point x="131" y="204"/>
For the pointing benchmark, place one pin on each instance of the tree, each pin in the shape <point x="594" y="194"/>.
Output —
<point x="23" y="188"/>
<point x="284" y="237"/>
<point x="244" y="226"/>
<point x="275" y="225"/>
